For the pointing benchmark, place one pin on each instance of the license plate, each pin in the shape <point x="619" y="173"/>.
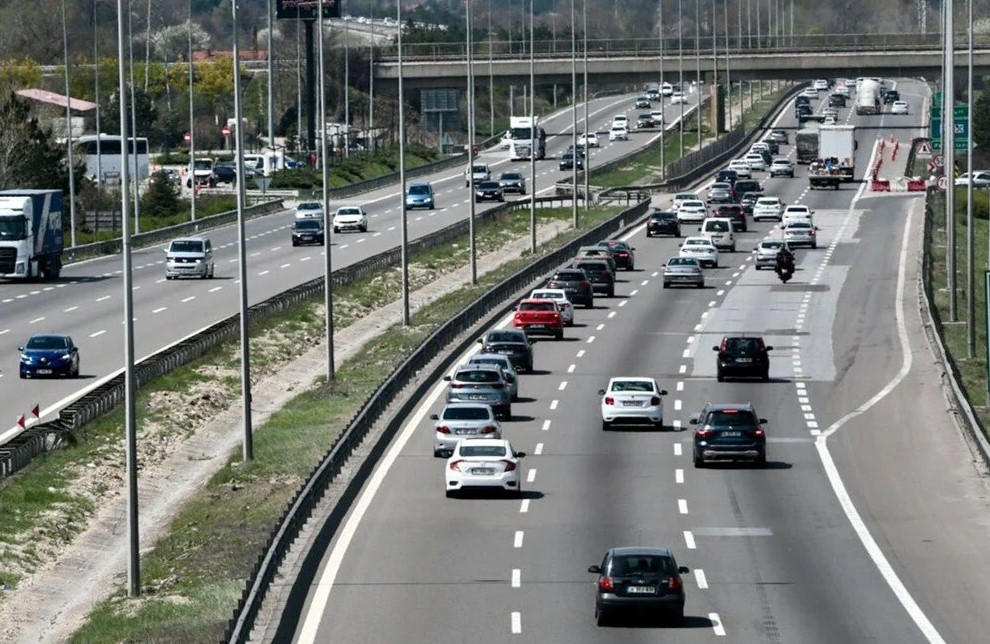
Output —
<point x="731" y="434"/>
<point x="477" y="397"/>
<point x="537" y="326"/>
<point x="43" y="372"/>
<point x="641" y="590"/>
<point x="744" y="359"/>
<point x="482" y="471"/>
<point x="505" y="352"/>
<point x="631" y="403"/>
<point x="462" y="432"/>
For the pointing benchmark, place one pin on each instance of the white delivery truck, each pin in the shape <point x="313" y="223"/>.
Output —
<point x="868" y="97"/>
<point x="527" y="136"/>
<point x="837" y="147"/>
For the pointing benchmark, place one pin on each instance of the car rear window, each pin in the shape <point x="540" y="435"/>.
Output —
<point x="716" y="226"/>
<point x="568" y="276"/>
<point x="682" y="261"/>
<point x="741" y="345"/>
<point x="536" y="306"/>
<point x="731" y="418"/>
<point x="505" y="336"/>
<point x="633" y="565"/>
<point x="594" y="267"/>
<point x="496" y="451"/>
<point x="480" y="375"/>
<point x="466" y="413"/>
<point x="661" y="216"/>
<point x="501" y="361"/>
<point x="632" y="385"/>
<point x="549" y="295"/>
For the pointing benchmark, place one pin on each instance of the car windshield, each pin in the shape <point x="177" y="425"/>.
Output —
<point x="536" y="306"/>
<point x="512" y="176"/>
<point x="731" y="418"/>
<point x="200" y="164"/>
<point x="309" y="224"/>
<point x="13" y="228"/>
<point x="308" y="205"/>
<point x="48" y="342"/>
<point x="488" y="185"/>
<point x="645" y="564"/>
<point x="632" y="385"/>
<point x="496" y="451"/>
<point x="501" y="361"/>
<point x="186" y="246"/>
<point x="505" y="336"/>
<point x="681" y="261"/>
<point x="479" y="375"/>
<point x="717" y="227"/>
<point x="349" y="211"/>
<point x="467" y="413"/>
<point x="419" y="190"/>
<point x="480" y="169"/>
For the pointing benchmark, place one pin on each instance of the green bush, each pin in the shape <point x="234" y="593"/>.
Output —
<point x="161" y="199"/>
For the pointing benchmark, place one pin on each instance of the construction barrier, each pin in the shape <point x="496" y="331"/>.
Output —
<point x="916" y="185"/>
<point x="880" y="185"/>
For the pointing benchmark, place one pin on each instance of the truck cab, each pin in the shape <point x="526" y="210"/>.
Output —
<point x="30" y="234"/>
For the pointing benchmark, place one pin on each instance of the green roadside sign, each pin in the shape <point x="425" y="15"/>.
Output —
<point x="959" y="111"/>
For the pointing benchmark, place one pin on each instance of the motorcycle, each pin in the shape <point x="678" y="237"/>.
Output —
<point x="785" y="269"/>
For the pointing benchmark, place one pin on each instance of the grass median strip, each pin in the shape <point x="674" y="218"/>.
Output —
<point x="195" y="574"/>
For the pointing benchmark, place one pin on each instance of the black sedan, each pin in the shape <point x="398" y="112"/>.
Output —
<point x="489" y="191"/>
<point x="227" y="173"/>
<point x="742" y="355"/>
<point x="513" y="344"/>
<point x="639" y="579"/>
<point x="663" y="223"/>
<point x="622" y="252"/>
<point x="49" y="355"/>
<point x="307" y="231"/>
<point x="567" y="161"/>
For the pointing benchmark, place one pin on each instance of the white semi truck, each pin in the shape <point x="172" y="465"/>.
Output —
<point x="30" y="234"/>
<point x="527" y="136"/>
<point x="868" y="97"/>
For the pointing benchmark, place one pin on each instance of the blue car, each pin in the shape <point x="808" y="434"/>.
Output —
<point x="49" y="355"/>
<point x="420" y="195"/>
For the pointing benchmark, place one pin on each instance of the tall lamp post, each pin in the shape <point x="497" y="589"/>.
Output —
<point x="470" y="110"/>
<point x="663" y="124"/>
<point x="574" y="97"/>
<point x="99" y="144"/>
<point x="587" y="125"/>
<point x="192" y="124"/>
<point x="533" y="140"/>
<point x="948" y="103"/>
<point x="970" y="274"/>
<point x="68" y="134"/>
<point x="697" y="63"/>
<point x="325" y="170"/>
<point x="680" y="72"/>
<point x="403" y="227"/>
<point x="271" y="83"/>
<point x="347" y="86"/>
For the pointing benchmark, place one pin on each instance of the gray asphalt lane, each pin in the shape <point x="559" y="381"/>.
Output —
<point x="87" y="301"/>
<point x="781" y="562"/>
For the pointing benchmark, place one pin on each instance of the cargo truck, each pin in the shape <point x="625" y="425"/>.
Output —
<point x="837" y="143"/>
<point x="806" y="142"/>
<point x="527" y="136"/>
<point x="868" y="97"/>
<point x="30" y="234"/>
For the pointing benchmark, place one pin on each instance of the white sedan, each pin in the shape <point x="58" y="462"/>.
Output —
<point x="981" y="179"/>
<point x="899" y="107"/>
<point x="483" y="463"/>
<point x="741" y="167"/>
<point x="810" y="92"/>
<point x="558" y="295"/>
<point x="800" y="233"/>
<point x="632" y="400"/>
<point x="681" y="197"/>
<point x="678" y="97"/>
<point x="350" y="218"/>
<point x="692" y="211"/>
<point x="309" y="210"/>
<point x="756" y="161"/>
<point x="701" y="249"/>
<point x="618" y="133"/>
<point x="589" y="140"/>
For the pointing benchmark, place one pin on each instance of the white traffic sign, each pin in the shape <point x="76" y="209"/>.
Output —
<point x="263" y="182"/>
<point x="940" y="160"/>
<point x="924" y="150"/>
<point x="942" y="182"/>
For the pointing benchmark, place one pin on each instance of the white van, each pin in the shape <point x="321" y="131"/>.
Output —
<point x="719" y="231"/>
<point x="481" y="173"/>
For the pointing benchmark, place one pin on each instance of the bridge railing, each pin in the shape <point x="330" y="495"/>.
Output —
<point x="613" y="48"/>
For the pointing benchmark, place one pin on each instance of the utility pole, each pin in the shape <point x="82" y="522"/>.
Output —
<point x="132" y="145"/>
<point x="970" y="269"/>
<point x="271" y="84"/>
<point x="327" y="223"/>
<point x="68" y="134"/>
<point x="371" y="84"/>
<point x="533" y="131"/>
<point x="574" y="97"/>
<point x="403" y="227"/>
<point x="192" y="125"/>
<point x="949" y="138"/>
<point x="587" y="125"/>
<point x="680" y="73"/>
<point x="663" y="124"/>
<point x="347" y="86"/>
<point x="470" y="106"/>
<point x="99" y="140"/>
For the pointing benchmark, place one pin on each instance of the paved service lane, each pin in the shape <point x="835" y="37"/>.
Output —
<point x="86" y="302"/>
<point x="774" y="555"/>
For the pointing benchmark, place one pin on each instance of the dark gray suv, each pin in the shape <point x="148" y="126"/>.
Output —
<point x="576" y="284"/>
<point x="481" y="383"/>
<point x="729" y="431"/>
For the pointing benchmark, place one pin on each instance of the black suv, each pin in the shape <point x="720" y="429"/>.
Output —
<point x="599" y="274"/>
<point x="836" y="100"/>
<point x="742" y="355"/>
<point x="734" y="212"/>
<point x="576" y="284"/>
<point x="730" y="431"/>
<point x="748" y="185"/>
<point x="891" y="96"/>
<point x="663" y="223"/>
<point x="511" y="343"/>
<point x="307" y="231"/>
<point x="727" y="176"/>
<point x="622" y="253"/>
<point x="640" y="579"/>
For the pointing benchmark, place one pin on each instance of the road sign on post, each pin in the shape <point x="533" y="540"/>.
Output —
<point x="263" y="182"/>
<point x="942" y="183"/>
<point x="226" y="131"/>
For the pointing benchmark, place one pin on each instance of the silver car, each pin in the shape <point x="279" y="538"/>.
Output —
<point x="189" y="257"/>
<point x="766" y="252"/>
<point x="801" y="232"/>
<point x="508" y="371"/>
<point x="458" y="421"/>
<point x="683" y="271"/>
<point x="481" y="383"/>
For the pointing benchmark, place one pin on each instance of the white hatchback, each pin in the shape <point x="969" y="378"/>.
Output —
<point x="350" y="218"/>
<point x="741" y="167"/>
<point x="632" y="400"/>
<point x="756" y="161"/>
<point x="767" y="208"/>
<point x="692" y="211"/>
<point x="589" y="140"/>
<point x="701" y="249"/>
<point x="719" y="231"/>
<point x="899" y="107"/>
<point x="558" y="295"/>
<point x="618" y="133"/>
<point x="483" y="463"/>
<point x="678" y="97"/>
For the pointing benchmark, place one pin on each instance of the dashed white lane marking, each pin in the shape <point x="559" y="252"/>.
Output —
<point x="553" y="404"/>
<point x="98" y="333"/>
<point x="689" y="540"/>
<point x="600" y="327"/>
<point x="611" y="315"/>
<point x="516" y="623"/>
<point x="678" y="449"/>
<point x="215" y="289"/>
<point x="677" y="404"/>
<point x="160" y="309"/>
<point x="188" y="299"/>
<point x="563" y="385"/>
<point x="686" y="354"/>
<point x="539" y="449"/>
<point x="344" y="246"/>
<point x="699" y="577"/>
<point x="305" y="259"/>
<point x="263" y="273"/>
<point x="546" y="425"/>
<point x="101" y="299"/>
<point x="720" y="292"/>
<point x="591" y="339"/>
<point x="690" y="339"/>
<point x="517" y="540"/>
<point x="524" y="506"/>
<point x="516" y="578"/>
<point x="716" y="624"/>
<point x="682" y="506"/>
<point x="70" y="309"/>
<point x="712" y="303"/>
<point x="623" y="302"/>
<point x="5" y="331"/>
<point x="644" y="282"/>
<point x="679" y="475"/>
<point x="654" y="273"/>
<point x="285" y="265"/>
<point x="391" y="228"/>
<point x="676" y="423"/>
<point x="728" y="283"/>
<point x="633" y="292"/>
<point x="36" y="320"/>
<point x="680" y="386"/>
<point x="531" y="475"/>
<point x="682" y="369"/>
<point x="580" y="354"/>
<point x="571" y="368"/>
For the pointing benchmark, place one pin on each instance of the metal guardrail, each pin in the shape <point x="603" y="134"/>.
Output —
<point x="16" y="453"/>
<point x="492" y="303"/>
<point x="932" y="321"/>
<point x="625" y="47"/>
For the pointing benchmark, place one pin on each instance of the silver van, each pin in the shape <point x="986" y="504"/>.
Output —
<point x="189" y="257"/>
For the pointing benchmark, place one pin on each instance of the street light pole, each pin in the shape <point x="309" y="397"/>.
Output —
<point x="271" y="84"/>
<point x="663" y="124"/>
<point x="680" y="72"/>
<point x="371" y="85"/>
<point x="970" y="273"/>
<point x="714" y="90"/>
<point x="132" y="145"/>
<point x="248" y="447"/>
<point x="99" y="142"/>
<point x="347" y="86"/>
<point x="192" y="125"/>
<point x="533" y="131"/>
<point x="130" y="385"/>
<point x="403" y="225"/>
<point x="697" y="64"/>
<point x="587" y="125"/>
<point x="68" y="134"/>
<point x="574" y="97"/>
<point x="491" y="77"/>
<point x="948" y="98"/>
<point x="470" y="106"/>
<point x="728" y="74"/>
<point x="327" y="223"/>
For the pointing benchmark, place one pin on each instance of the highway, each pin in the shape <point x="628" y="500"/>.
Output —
<point x="868" y="525"/>
<point x="87" y="301"/>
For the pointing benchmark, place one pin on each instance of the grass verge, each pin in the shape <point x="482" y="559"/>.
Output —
<point x="972" y="371"/>
<point x="195" y="574"/>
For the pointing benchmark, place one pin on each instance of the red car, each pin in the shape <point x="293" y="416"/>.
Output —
<point x="539" y="316"/>
<point x="734" y="212"/>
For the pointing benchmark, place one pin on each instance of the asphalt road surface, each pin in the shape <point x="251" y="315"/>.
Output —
<point x="869" y="523"/>
<point x="87" y="301"/>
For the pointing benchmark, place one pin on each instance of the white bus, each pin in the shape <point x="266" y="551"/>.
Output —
<point x="109" y="148"/>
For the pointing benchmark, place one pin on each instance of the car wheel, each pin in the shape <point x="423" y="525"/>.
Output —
<point x="295" y="243"/>
<point x="701" y="285"/>
<point x="437" y="453"/>
<point x="813" y="246"/>
<point x="558" y="336"/>
<point x="666" y="284"/>
<point x="336" y="230"/>
<point x="23" y="375"/>
<point x="761" y="460"/>
<point x="714" y="264"/>
<point x="611" y="292"/>
<point x="589" y="304"/>
<point x="698" y="461"/>
<point x="720" y="376"/>
<point x="600" y="617"/>
<point x="766" y="376"/>
<point x="363" y="229"/>
<point x="606" y="425"/>
<point x="732" y="248"/>
<point x="451" y="494"/>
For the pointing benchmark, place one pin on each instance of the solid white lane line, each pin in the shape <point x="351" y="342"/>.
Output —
<point x="98" y="333"/>
<point x="716" y="624"/>
<point x="41" y="319"/>
<point x="516" y="622"/>
<point x="160" y="309"/>
<point x="70" y="309"/>
<point x="546" y="425"/>
<point x="524" y="506"/>
<point x="679" y="475"/>
<point x="699" y="576"/>
<point x="689" y="540"/>
<point x="531" y="475"/>
<point x="101" y="299"/>
<point x="682" y="506"/>
<point x="517" y="540"/>
<point x="188" y="299"/>
<point x="539" y="449"/>
<point x="678" y="449"/>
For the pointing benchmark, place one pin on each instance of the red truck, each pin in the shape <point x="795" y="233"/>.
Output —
<point x="539" y="316"/>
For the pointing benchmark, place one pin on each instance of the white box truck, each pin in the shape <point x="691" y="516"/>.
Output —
<point x="837" y="147"/>
<point x="30" y="234"/>
<point x="527" y="136"/>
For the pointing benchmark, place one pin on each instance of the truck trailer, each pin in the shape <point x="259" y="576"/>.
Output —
<point x="837" y="145"/>
<point x="30" y="234"/>
<point x="806" y="141"/>
<point x="868" y="97"/>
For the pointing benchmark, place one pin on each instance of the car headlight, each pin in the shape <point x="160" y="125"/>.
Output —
<point x="25" y="358"/>
<point x="67" y="356"/>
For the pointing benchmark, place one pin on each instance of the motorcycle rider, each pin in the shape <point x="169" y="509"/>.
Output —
<point x="785" y="261"/>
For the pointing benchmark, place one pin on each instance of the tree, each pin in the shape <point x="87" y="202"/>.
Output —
<point x="161" y="199"/>
<point x="981" y="120"/>
<point x="30" y="157"/>
<point x="144" y="109"/>
<point x="172" y="43"/>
